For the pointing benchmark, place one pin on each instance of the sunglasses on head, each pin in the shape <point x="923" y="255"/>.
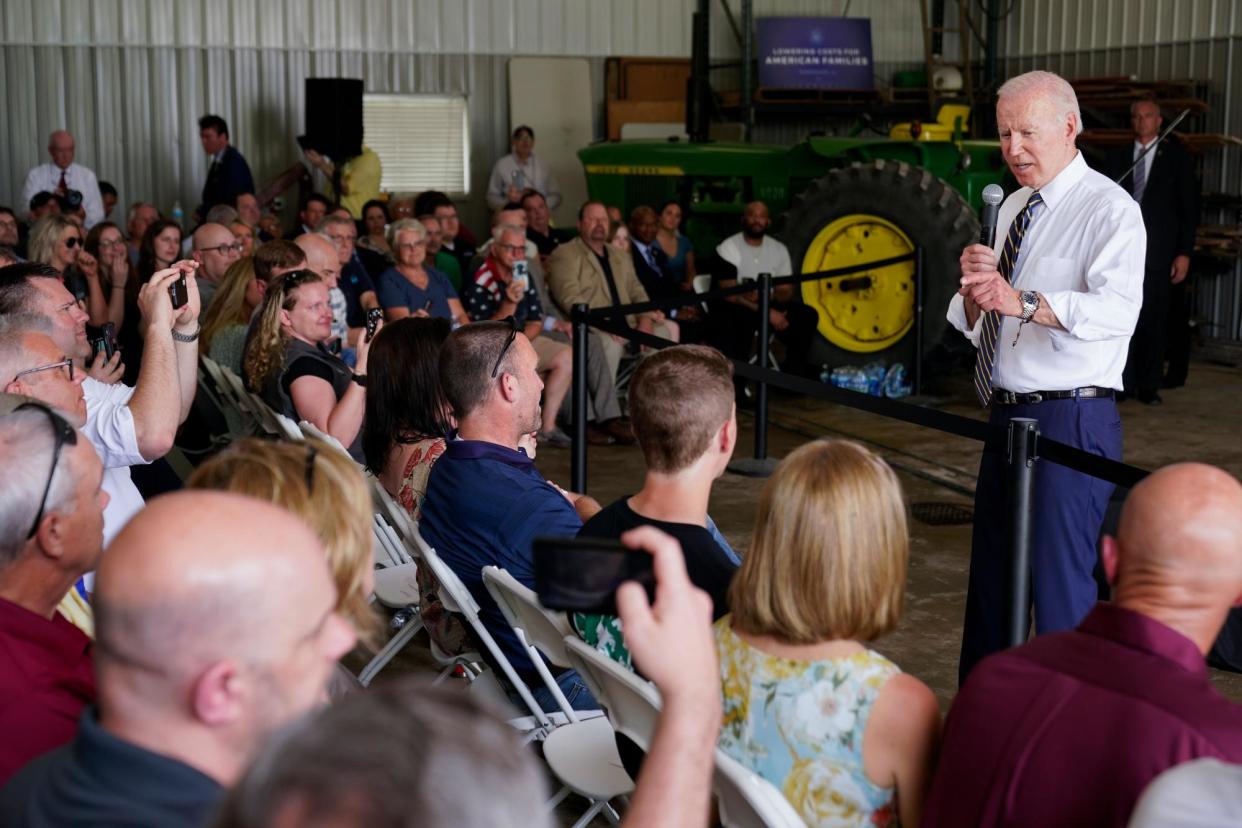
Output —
<point x="65" y="435"/>
<point x="514" y="327"/>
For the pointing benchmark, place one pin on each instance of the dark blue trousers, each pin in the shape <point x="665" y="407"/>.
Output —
<point x="1068" y="509"/>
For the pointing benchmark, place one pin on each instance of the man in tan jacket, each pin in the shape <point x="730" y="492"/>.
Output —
<point x="588" y="270"/>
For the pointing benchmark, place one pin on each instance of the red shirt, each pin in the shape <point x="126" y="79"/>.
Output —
<point x="1069" y="728"/>
<point x="46" y="679"/>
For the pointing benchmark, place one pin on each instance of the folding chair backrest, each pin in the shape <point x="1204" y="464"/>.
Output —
<point x="309" y="429"/>
<point x="633" y="704"/>
<point x="288" y="428"/>
<point x="702" y="283"/>
<point x="392" y="511"/>
<point x="545" y="629"/>
<point x="457" y="598"/>
<point x="747" y="800"/>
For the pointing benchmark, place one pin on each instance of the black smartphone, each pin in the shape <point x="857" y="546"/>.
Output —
<point x="582" y="574"/>
<point x="374" y="315"/>
<point x="427" y="306"/>
<point x="104" y="345"/>
<point x="179" y="292"/>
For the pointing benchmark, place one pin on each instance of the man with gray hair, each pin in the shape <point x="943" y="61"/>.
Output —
<point x="127" y="425"/>
<point x="353" y="276"/>
<point x="321" y="257"/>
<point x="502" y="288"/>
<point x="1051" y="308"/>
<point x="62" y="174"/>
<point x="51" y="533"/>
<point x="198" y="659"/>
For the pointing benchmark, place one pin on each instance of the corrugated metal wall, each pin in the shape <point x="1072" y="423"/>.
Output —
<point x="1152" y="40"/>
<point x="130" y="77"/>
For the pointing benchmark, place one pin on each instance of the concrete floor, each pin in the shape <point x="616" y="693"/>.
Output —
<point x="1197" y="422"/>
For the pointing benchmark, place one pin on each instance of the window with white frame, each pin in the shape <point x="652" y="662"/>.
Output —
<point x="423" y="141"/>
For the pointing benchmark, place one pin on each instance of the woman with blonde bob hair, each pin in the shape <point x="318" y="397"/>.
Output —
<point x="325" y="489"/>
<point x="848" y="737"/>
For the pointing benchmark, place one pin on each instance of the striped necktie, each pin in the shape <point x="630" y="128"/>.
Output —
<point x="1140" y="179"/>
<point x="990" y="330"/>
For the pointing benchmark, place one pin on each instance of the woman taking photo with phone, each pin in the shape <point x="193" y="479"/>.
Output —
<point x="107" y="303"/>
<point x="159" y="248"/>
<point x="288" y="365"/>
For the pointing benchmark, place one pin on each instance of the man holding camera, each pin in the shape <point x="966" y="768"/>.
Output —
<point x="128" y="426"/>
<point x="62" y="175"/>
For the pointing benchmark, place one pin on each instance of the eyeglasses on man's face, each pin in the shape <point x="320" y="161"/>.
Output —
<point x="65" y="435"/>
<point x="66" y="363"/>
<point x="235" y="247"/>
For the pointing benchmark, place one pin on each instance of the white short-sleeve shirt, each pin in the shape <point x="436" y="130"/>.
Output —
<point x="110" y="428"/>
<point x="770" y="256"/>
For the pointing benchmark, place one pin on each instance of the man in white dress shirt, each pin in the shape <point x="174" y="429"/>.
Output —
<point x="1051" y="310"/>
<point x="62" y="175"/>
<point x="42" y="327"/>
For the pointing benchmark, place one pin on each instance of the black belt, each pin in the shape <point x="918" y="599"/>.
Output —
<point x="1002" y="397"/>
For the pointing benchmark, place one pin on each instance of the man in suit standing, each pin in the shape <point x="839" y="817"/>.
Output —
<point x="1164" y="185"/>
<point x="229" y="174"/>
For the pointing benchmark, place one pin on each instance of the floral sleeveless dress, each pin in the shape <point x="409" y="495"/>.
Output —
<point x="800" y="725"/>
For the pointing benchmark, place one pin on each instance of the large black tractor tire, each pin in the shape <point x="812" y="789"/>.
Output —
<point x="888" y="200"/>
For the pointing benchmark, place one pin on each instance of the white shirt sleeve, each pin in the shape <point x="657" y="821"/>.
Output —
<point x="728" y="251"/>
<point x="92" y="201"/>
<point x="782" y="267"/>
<point x="498" y="184"/>
<point x="957" y="318"/>
<point x="1109" y="307"/>
<point x="110" y="424"/>
<point x="32" y="187"/>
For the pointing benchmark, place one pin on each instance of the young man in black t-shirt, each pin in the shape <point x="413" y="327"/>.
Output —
<point x="681" y="407"/>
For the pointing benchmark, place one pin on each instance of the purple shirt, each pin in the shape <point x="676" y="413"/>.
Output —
<point x="1069" y="728"/>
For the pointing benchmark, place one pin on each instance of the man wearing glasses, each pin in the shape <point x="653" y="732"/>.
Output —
<point x="46" y="335"/>
<point x="215" y="249"/>
<point x="354" y="280"/>
<point x="54" y="486"/>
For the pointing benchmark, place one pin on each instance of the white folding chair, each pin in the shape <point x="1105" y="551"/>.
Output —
<point x="583" y="753"/>
<point x="309" y="429"/>
<point x="287" y="427"/>
<point x="633" y="704"/>
<point x="747" y="800"/>
<point x="211" y="382"/>
<point x="457" y="598"/>
<point x="702" y="284"/>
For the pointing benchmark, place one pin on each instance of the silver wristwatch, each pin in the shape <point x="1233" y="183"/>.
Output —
<point x="1030" y="304"/>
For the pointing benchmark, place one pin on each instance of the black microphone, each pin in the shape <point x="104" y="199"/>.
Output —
<point x="993" y="195"/>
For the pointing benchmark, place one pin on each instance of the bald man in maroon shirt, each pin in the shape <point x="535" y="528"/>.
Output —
<point x="1069" y="728"/>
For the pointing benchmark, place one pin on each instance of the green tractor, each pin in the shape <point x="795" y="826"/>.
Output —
<point x="837" y="202"/>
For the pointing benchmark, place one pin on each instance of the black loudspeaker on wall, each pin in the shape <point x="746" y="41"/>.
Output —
<point x="333" y="117"/>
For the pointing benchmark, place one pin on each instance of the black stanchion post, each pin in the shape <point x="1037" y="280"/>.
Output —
<point x="761" y="390"/>
<point x="578" y="452"/>
<point x="1023" y="435"/>
<point x="761" y="465"/>
<point x="918" y="320"/>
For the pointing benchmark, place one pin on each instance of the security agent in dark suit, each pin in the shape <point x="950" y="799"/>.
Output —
<point x="1164" y="184"/>
<point x="228" y="175"/>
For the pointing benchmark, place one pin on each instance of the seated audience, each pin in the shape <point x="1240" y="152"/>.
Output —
<point x="1070" y="727"/>
<point x="224" y="214"/>
<point x="651" y="264"/>
<point x="275" y="258"/>
<point x="403" y="434"/>
<point x="310" y="212"/>
<point x="588" y="271"/>
<point x="43" y="204"/>
<point x="106" y="244"/>
<point x="736" y="318"/>
<point x="127" y="425"/>
<point x="160" y="247"/>
<point x="323" y="487"/>
<point x="410" y="287"/>
<point x="375" y="225"/>
<point x="519" y="171"/>
<point x="539" y="227"/>
<point x="52" y="535"/>
<point x="10" y="231"/>
<point x="676" y="245"/>
<point x="352" y="766"/>
<point x="244" y="233"/>
<point x="441" y="259"/>
<point x="619" y="237"/>
<point x="248" y="210"/>
<point x="681" y="405"/>
<point x="485" y="501"/>
<point x="455" y="237"/>
<point x="321" y="259"/>
<point x="215" y="248"/>
<point x="838" y="728"/>
<point x="227" y="320"/>
<point x="495" y="294"/>
<point x="286" y="361"/>
<point x="200" y="656"/>
<point x="354" y="280"/>
<point x="141" y="216"/>
<point x="57" y="241"/>
<point x="108" y="195"/>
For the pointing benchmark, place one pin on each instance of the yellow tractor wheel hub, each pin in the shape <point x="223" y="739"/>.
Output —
<point x="866" y="311"/>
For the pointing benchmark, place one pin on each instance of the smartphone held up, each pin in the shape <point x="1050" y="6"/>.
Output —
<point x="582" y="574"/>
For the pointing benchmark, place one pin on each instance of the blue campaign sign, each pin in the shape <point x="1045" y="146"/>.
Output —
<point x="815" y="52"/>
